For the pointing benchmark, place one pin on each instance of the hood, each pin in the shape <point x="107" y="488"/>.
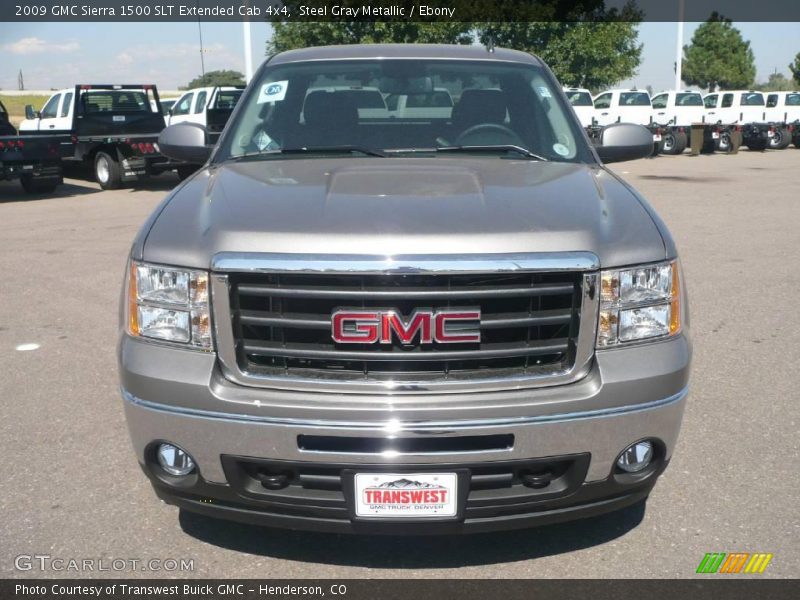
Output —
<point x="394" y="206"/>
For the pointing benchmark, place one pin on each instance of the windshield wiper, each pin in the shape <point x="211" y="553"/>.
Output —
<point x="348" y="149"/>
<point x="494" y="148"/>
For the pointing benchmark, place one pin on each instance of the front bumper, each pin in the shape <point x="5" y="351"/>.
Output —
<point x="181" y="397"/>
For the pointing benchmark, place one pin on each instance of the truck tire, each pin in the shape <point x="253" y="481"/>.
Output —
<point x="33" y="185"/>
<point x="106" y="171"/>
<point x="723" y="142"/>
<point x="675" y="143"/>
<point x="780" y="139"/>
<point x="186" y="171"/>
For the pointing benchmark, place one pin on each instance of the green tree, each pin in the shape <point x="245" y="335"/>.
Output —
<point x="585" y="54"/>
<point x="299" y="34"/>
<point x="777" y="82"/>
<point x="795" y="69"/>
<point x="222" y="77"/>
<point x="718" y="56"/>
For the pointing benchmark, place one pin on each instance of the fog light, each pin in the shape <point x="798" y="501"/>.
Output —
<point x="636" y="457"/>
<point x="174" y="460"/>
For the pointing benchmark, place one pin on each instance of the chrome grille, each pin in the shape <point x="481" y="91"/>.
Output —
<point x="532" y="322"/>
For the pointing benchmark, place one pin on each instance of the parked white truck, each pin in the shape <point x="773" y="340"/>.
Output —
<point x="784" y="107"/>
<point x="627" y="106"/>
<point x="677" y="111"/>
<point x="747" y="110"/>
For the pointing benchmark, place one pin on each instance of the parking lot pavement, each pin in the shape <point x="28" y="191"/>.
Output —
<point x="72" y="488"/>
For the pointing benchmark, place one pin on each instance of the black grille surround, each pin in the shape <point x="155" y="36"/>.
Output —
<point x="529" y="326"/>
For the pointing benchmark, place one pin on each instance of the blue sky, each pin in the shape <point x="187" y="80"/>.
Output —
<point x="55" y="55"/>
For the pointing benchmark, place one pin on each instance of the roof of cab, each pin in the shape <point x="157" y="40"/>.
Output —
<point x="415" y="51"/>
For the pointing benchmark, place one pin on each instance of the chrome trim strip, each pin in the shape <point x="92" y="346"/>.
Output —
<point x="226" y="351"/>
<point x="227" y="262"/>
<point x="394" y="427"/>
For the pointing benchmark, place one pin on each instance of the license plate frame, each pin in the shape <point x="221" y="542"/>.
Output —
<point x="461" y="481"/>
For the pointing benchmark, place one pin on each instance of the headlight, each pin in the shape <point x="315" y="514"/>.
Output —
<point x="165" y="303"/>
<point x="639" y="304"/>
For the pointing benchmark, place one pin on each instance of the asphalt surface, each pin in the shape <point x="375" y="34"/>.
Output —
<point x="71" y="487"/>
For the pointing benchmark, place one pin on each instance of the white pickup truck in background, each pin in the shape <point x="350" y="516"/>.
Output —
<point x="627" y="106"/>
<point x="676" y="111"/>
<point x="744" y="108"/>
<point x="784" y="107"/>
<point x="194" y="105"/>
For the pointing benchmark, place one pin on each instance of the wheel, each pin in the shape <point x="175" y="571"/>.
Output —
<point x="32" y="185"/>
<point x="674" y="143"/>
<point x="757" y="145"/>
<point x="780" y="139"/>
<point x="106" y="171"/>
<point x="185" y="171"/>
<point x="723" y="143"/>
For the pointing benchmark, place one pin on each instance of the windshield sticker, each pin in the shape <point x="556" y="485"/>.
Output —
<point x="544" y="92"/>
<point x="273" y="92"/>
<point x="561" y="149"/>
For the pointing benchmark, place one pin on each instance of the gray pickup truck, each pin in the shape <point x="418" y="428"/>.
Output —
<point x="351" y="320"/>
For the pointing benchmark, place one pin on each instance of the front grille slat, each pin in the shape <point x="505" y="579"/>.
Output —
<point x="403" y="293"/>
<point x="487" y="351"/>
<point x="281" y="324"/>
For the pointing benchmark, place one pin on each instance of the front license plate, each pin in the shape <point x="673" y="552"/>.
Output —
<point x="406" y="495"/>
<point x="656" y="137"/>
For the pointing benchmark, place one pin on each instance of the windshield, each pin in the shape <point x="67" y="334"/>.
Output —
<point x="579" y="98"/>
<point x="365" y="104"/>
<point x="688" y="100"/>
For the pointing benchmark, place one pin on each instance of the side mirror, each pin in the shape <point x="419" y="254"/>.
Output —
<point x="624" y="141"/>
<point x="185" y="142"/>
<point x="30" y="114"/>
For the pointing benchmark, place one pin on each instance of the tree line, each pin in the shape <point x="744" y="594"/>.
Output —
<point x="591" y="53"/>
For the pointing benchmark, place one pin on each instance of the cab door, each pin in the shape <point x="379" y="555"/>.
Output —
<point x="602" y="109"/>
<point x="48" y="117"/>
<point x="182" y="110"/>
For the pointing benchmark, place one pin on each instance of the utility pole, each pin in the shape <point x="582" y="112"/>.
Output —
<point x="248" y="55"/>
<point x="202" y="58"/>
<point x="20" y="81"/>
<point x="679" y="49"/>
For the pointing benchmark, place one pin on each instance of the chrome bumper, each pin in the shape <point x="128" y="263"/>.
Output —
<point x="180" y="396"/>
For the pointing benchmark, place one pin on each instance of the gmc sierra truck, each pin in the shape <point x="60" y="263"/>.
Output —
<point x="354" y="322"/>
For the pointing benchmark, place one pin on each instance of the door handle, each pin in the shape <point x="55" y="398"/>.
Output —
<point x="52" y="126"/>
<point x="605" y="114"/>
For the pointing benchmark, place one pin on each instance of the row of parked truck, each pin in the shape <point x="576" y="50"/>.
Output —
<point x="111" y="129"/>
<point x="764" y="119"/>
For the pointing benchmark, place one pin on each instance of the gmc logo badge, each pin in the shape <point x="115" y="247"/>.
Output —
<point x="370" y="326"/>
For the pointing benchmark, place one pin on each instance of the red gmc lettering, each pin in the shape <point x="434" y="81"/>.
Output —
<point x="364" y="331"/>
<point x="424" y="326"/>
<point x="406" y="332"/>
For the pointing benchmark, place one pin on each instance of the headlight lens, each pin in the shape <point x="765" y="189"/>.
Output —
<point x="639" y="304"/>
<point x="169" y="304"/>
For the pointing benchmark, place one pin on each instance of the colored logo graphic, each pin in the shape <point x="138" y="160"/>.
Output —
<point x="735" y="562"/>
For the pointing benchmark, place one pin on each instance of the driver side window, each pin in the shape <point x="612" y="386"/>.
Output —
<point x="50" y="110"/>
<point x="603" y="101"/>
<point x="183" y="106"/>
<point x="660" y="101"/>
